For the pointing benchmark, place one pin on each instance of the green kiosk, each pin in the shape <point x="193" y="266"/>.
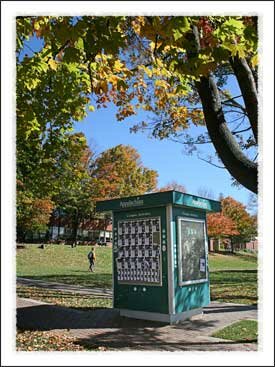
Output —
<point x="160" y="260"/>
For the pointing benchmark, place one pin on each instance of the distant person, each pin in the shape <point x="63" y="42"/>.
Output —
<point x="91" y="257"/>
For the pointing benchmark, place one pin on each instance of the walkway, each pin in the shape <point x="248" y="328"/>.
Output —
<point x="105" y="327"/>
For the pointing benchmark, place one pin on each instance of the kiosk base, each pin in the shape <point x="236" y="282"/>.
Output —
<point x="154" y="316"/>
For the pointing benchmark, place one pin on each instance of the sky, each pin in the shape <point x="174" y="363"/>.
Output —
<point x="103" y="131"/>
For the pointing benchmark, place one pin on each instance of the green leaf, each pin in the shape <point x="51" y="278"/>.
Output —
<point x="177" y="34"/>
<point x="121" y="84"/>
<point x="79" y="44"/>
<point x="184" y="25"/>
<point x="72" y="67"/>
<point x="71" y="54"/>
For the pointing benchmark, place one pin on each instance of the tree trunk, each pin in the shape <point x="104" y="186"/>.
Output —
<point x="229" y="151"/>
<point x="58" y="228"/>
<point x="232" y="247"/>
<point x="240" y="167"/>
<point x="75" y="228"/>
<point x="20" y="234"/>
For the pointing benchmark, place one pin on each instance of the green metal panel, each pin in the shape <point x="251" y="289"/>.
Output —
<point x="192" y="296"/>
<point x="136" y="202"/>
<point x="187" y="297"/>
<point x="158" y="199"/>
<point x="155" y="298"/>
<point x="196" y="202"/>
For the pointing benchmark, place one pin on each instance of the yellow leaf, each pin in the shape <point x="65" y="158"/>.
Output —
<point x="53" y="64"/>
<point x="118" y="66"/>
<point x="91" y="108"/>
<point x="113" y="79"/>
<point x="254" y="61"/>
<point x="161" y="83"/>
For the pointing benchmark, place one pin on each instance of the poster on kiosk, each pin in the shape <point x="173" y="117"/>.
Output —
<point x="160" y="254"/>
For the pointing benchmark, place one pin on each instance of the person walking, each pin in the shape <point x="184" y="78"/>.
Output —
<point x="91" y="257"/>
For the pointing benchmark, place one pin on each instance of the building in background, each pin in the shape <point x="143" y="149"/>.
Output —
<point x="60" y="230"/>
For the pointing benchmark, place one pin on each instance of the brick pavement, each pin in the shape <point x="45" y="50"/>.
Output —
<point x="105" y="327"/>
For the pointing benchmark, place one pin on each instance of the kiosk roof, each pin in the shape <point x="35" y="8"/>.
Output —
<point x="159" y="199"/>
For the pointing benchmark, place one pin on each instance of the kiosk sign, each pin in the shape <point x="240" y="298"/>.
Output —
<point x="131" y="203"/>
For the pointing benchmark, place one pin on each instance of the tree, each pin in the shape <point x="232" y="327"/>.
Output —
<point x="233" y="221"/>
<point x="176" y="68"/>
<point x="119" y="172"/>
<point x="252" y="204"/>
<point x="33" y="213"/>
<point x="246" y="224"/>
<point x="220" y="226"/>
<point x="206" y="193"/>
<point x="74" y="197"/>
<point x="173" y="185"/>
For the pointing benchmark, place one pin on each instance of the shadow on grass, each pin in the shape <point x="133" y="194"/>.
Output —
<point x="234" y="271"/>
<point x="233" y="276"/>
<point x="42" y="295"/>
<point x="253" y="301"/>
<point x="229" y="308"/>
<point x="89" y="279"/>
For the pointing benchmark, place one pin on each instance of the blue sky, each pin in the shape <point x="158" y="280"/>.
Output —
<point x="103" y="131"/>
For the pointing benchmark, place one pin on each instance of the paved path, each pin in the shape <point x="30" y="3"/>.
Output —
<point x="65" y="287"/>
<point x="105" y="327"/>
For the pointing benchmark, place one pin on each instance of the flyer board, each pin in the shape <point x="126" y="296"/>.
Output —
<point x="192" y="242"/>
<point x="138" y="258"/>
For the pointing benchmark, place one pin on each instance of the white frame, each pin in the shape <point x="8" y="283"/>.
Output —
<point x="188" y="282"/>
<point x="113" y="257"/>
<point x="139" y="282"/>
<point x="170" y="258"/>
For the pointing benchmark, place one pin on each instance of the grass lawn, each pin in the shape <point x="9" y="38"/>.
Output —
<point x="63" y="264"/>
<point x="233" y="278"/>
<point x="238" y="261"/>
<point x="242" y="331"/>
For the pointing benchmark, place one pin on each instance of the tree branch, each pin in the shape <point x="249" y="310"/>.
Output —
<point x="209" y="162"/>
<point x="241" y="131"/>
<point x="61" y="48"/>
<point x="248" y="88"/>
<point x="190" y="143"/>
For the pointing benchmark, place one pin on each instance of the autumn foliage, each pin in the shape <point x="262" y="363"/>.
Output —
<point x="119" y="172"/>
<point x="233" y="221"/>
<point x="32" y="213"/>
<point x="245" y="223"/>
<point x="220" y="226"/>
<point x="138" y="63"/>
<point x="173" y="185"/>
